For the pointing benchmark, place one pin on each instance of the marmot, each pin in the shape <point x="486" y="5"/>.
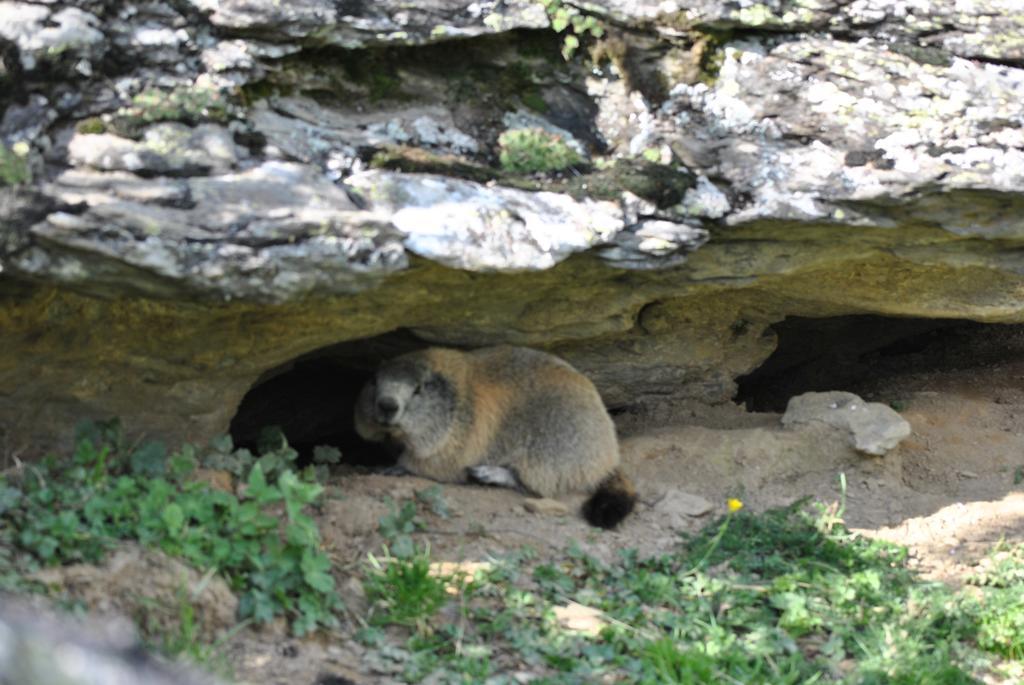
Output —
<point x="508" y="416"/>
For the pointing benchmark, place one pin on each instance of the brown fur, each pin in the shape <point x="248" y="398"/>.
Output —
<point x="513" y="407"/>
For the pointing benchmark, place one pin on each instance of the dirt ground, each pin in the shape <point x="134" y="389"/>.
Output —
<point x="948" y="492"/>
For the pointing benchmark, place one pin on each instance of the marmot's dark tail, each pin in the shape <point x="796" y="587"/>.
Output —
<point x="614" y="498"/>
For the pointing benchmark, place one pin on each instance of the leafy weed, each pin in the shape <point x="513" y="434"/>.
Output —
<point x="261" y="540"/>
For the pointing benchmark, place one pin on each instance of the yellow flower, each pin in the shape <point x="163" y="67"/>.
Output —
<point x="734" y="505"/>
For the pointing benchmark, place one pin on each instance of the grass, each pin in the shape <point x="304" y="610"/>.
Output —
<point x="403" y="590"/>
<point x="785" y="596"/>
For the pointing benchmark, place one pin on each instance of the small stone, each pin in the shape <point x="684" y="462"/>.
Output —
<point x="548" y="507"/>
<point x="873" y="428"/>
<point x="580" y="619"/>
<point x="677" y="507"/>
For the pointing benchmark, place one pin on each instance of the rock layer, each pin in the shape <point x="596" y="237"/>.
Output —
<point x="194" y="195"/>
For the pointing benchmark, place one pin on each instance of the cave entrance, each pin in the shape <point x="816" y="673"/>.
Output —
<point x="312" y="398"/>
<point x="867" y="354"/>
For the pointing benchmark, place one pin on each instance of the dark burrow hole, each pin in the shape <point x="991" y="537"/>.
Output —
<point x="312" y="398"/>
<point x="868" y="354"/>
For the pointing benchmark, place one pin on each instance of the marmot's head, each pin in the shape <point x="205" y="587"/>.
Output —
<point x="407" y="400"/>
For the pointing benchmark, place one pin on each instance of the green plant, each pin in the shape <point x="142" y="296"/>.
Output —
<point x="77" y="509"/>
<point x="179" y="104"/>
<point x="998" y="608"/>
<point x="402" y="520"/>
<point x="397" y="527"/>
<point x="1002" y="567"/>
<point x="14" y="165"/>
<point x="91" y="125"/>
<point x="568" y="18"/>
<point x="184" y="104"/>
<point x="533" y="150"/>
<point x="999" y="615"/>
<point x="782" y="597"/>
<point x="402" y="584"/>
<point x="404" y="590"/>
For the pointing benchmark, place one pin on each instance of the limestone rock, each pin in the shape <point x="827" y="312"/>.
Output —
<point x="196" y="197"/>
<point x="170" y="148"/>
<point x="158" y="232"/>
<point x="654" y="244"/>
<point x="874" y="428"/>
<point x="676" y="508"/>
<point x="471" y="226"/>
<point x="862" y="142"/>
<point x="374" y="23"/>
<point x="41" y="32"/>
<point x="303" y="129"/>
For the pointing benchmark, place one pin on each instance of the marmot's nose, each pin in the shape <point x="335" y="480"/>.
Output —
<point x="387" y="408"/>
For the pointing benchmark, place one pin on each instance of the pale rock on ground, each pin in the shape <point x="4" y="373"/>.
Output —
<point x="873" y="428"/>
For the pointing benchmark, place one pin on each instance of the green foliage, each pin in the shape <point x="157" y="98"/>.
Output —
<point x="574" y="23"/>
<point x="1003" y="567"/>
<point x="402" y="520"/>
<point x="14" y="167"/>
<point x="533" y="150"/>
<point x="91" y="125"/>
<point x="324" y="456"/>
<point x="781" y="597"/>
<point x="998" y="608"/>
<point x="401" y="585"/>
<point x="534" y="101"/>
<point x="999" y="614"/>
<point x="403" y="590"/>
<point x="397" y="527"/>
<point x="262" y="541"/>
<point x="187" y="105"/>
<point x="180" y="104"/>
<point x="652" y="155"/>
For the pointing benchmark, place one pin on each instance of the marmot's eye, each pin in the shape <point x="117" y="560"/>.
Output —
<point x="418" y="389"/>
